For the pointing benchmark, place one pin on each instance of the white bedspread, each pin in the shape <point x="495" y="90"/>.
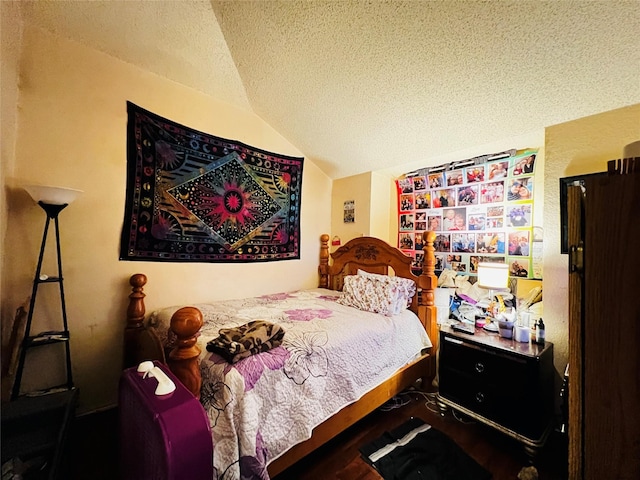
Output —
<point x="331" y="356"/>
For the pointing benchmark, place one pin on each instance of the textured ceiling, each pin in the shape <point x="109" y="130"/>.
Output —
<point x="366" y="85"/>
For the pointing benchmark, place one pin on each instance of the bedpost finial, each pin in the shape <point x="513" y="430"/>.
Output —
<point x="138" y="280"/>
<point x="429" y="236"/>
<point x="183" y="359"/>
<point x="186" y="322"/>
<point x="136" y="308"/>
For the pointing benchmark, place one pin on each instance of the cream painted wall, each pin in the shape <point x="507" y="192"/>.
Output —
<point x="574" y="148"/>
<point x="357" y="188"/>
<point x="72" y="132"/>
<point x="11" y="32"/>
<point x="373" y="193"/>
<point x="382" y="192"/>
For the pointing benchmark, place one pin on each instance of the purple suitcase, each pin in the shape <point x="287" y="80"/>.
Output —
<point x="164" y="437"/>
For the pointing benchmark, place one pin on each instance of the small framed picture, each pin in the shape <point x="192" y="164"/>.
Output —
<point x="349" y="211"/>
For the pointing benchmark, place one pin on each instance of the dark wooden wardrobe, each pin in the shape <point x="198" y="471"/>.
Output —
<point x="604" y="324"/>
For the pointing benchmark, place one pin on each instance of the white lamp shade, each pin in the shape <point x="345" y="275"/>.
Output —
<point x="493" y="275"/>
<point x="52" y="195"/>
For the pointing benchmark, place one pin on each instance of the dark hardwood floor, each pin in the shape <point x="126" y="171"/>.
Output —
<point x="94" y="447"/>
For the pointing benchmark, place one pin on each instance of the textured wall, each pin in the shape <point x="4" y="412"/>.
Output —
<point x="357" y="188"/>
<point x="360" y="85"/>
<point x="574" y="148"/>
<point x="72" y="132"/>
<point x="10" y="44"/>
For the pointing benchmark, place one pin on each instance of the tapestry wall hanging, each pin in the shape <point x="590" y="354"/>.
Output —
<point x="481" y="210"/>
<point x="193" y="197"/>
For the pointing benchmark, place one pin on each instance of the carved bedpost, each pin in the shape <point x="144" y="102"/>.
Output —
<point x="430" y="283"/>
<point x="183" y="359"/>
<point x="135" y="318"/>
<point x="323" y="267"/>
<point x="136" y="309"/>
<point x="429" y="268"/>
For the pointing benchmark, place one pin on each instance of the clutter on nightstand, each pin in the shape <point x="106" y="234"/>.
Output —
<point x="490" y="305"/>
<point x="529" y="312"/>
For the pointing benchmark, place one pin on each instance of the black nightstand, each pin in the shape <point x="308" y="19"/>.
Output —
<point x="35" y="430"/>
<point x="505" y="384"/>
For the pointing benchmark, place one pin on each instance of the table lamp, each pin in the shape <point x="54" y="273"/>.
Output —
<point x="492" y="276"/>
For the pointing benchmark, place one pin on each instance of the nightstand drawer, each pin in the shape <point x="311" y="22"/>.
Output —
<point x="502" y="403"/>
<point x="468" y="391"/>
<point x="483" y="364"/>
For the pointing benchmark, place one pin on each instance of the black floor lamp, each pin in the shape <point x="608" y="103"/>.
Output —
<point x="52" y="200"/>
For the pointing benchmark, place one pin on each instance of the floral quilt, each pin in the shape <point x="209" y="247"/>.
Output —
<point x="331" y="355"/>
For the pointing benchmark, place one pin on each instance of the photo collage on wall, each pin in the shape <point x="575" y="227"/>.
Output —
<point x="481" y="210"/>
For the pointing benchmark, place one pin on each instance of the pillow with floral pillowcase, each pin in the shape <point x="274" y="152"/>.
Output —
<point x="376" y="293"/>
<point x="367" y="294"/>
<point x="403" y="293"/>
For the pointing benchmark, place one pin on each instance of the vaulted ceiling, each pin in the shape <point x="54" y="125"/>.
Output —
<point x="364" y="85"/>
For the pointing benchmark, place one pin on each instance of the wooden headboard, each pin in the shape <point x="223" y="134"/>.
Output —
<point x="367" y="253"/>
<point x="377" y="256"/>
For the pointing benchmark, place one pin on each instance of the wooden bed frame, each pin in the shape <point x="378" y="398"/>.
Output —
<point x="366" y="253"/>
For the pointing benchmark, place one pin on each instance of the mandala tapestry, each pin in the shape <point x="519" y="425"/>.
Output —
<point x="193" y="197"/>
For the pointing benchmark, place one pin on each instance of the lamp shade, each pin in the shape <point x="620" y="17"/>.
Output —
<point x="493" y="275"/>
<point x="52" y="195"/>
